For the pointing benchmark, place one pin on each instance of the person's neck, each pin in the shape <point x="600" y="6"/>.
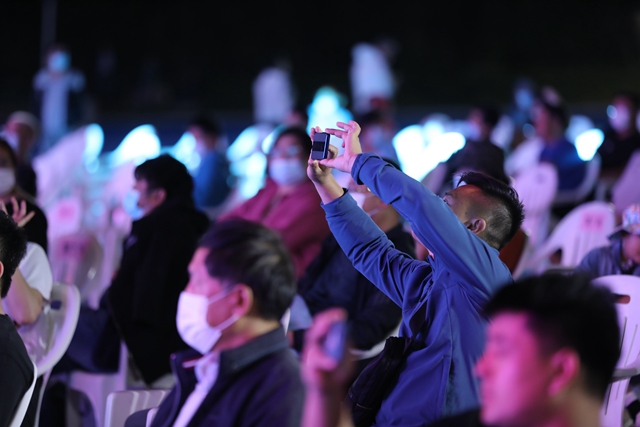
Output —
<point x="243" y="331"/>
<point x="580" y="412"/>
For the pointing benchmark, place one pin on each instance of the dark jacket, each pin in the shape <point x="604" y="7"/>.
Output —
<point x="258" y="384"/>
<point x="332" y="281"/>
<point x="143" y="296"/>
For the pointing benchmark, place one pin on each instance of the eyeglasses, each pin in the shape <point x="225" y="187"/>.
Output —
<point x="292" y="151"/>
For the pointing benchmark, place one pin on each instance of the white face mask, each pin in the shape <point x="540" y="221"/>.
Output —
<point x="130" y="204"/>
<point x="192" y="321"/>
<point x="7" y="180"/>
<point x="287" y="171"/>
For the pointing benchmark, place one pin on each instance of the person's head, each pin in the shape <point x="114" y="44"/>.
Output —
<point x="552" y="339"/>
<point x="297" y="117"/>
<point x="206" y="132"/>
<point x="8" y="162"/>
<point x="288" y="157"/>
<point x="58" y="59"/>
<point x="549" y="115"/>
<point x="376" y="130"/>
<point x="629" y="233"/>
<point x="623" y="111"/>
<point x="24" y="128"/>
<point x="524" y="93"/>
<point x="384" y="215"/>
<point x="487" y="207"/>
<point x="245" y="277"/>
<point x="13" y="246"/>
<point x="482" y="120"/>
<point x="161" y="180"/>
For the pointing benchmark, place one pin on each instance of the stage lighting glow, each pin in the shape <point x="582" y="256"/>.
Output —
<point x="408" y="143"/>
<point x="612" y="112"/>
<point x="244" y="145"/>
<point x="94" y="137"/>
<point x="250" y="171"/>
<point x="268" y="142"/>
<point x="139" y="145"/>
<point x="185" y="151"/>
<point x="577" y="126"/>
<point x="588" y="142"/>
<point x="326" y="109"/>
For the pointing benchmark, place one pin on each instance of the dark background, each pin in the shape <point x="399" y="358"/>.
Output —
<point x="204" y="55"/>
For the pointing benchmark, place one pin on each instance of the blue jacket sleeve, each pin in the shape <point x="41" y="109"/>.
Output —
<point x="371" y="251"/>
<point x="476" y="264"/>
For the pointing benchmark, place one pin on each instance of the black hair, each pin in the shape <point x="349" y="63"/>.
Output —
<point x="13" y="246"/>
<point x="246" y="252"/>
<point x="506" y="215"/>
<point x="568" y="312"/>
<point x="300" y="135"/>
<point x="165" y="172"/>
<point x="208" y="125"/>
<point x="373" y="117"/>
<point x="490" y="114"/>
<point x="559" y="112"/>
<point x="12" y="154"/>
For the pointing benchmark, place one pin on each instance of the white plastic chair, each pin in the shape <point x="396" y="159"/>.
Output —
<point x="77" y="258"/>
<point x="627" y="191"/>
<point x="62" y="318"/>
<point x="21" y="410"/>
<point x="586" y="227"/>
<point x="97" y="387"/>
<point x="122" y="404"/>
<point x="577" y="195"/>
<point x="629" y="362"/>
<point x="537" y="187"/>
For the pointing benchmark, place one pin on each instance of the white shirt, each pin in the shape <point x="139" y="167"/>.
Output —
<point x="36" y="270"/>
<point x="206" y="371"/>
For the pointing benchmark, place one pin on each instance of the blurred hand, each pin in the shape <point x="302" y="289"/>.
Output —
<point x="19" y="215"/>
<point x="317" y="172"/>
<point x="349" y="133"/>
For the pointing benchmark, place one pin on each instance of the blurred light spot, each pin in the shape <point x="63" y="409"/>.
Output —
<point x="185" y="151"/>
<point x="612" y="112"/>
<point x="94" y="141"/>
<point x="139" y="145"/>
<point x="578" y="124"/>
<point x="588" y="142"/>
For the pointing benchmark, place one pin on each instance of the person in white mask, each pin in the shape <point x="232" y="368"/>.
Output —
<point x="288" y="202"/>
<point x="241" y="371"/>
<point x="623" y="138"/>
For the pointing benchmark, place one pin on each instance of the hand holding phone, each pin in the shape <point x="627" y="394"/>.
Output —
<point x="320" y="146"/>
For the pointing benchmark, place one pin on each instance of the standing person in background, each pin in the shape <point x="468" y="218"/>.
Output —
<point x="288" y="203"/>
<point x="623" y="138"/>
<point x="212" y="178"/>
<point x="57" y="88"/>
<point x="22" y="131"/>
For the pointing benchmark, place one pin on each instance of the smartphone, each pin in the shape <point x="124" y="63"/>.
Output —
<point x="336" y="340"/>
<point x="320" y="146"/>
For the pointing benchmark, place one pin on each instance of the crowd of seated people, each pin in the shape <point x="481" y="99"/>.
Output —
<point x="199" y="303"/>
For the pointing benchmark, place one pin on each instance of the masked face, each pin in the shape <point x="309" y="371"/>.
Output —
<point x="130" y="204"/>
<point x="58" y="61"/>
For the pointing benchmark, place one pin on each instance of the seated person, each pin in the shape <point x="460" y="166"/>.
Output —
<point x="140" y="305"/>
<point x="479" y="153"/>
<point x="212" y="178"/>
<point x="241" y="371"/>
<point x="16" y="369"/>
<point x="623" y="138"/>
<point x="22" y="131"/>
<point x="332" y="281"/>
<point x="622" y="256"/>
<point x="35" y="229"/>
<point x="288" y="203"/>
<point x="551" y="350"/>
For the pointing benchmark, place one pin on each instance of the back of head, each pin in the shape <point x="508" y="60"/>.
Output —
<point x="490" y="115"/>
<point x="568" y="312"/>
<point x="244" y="252"/>
<point x="502" y="210"/>
<point x="207" y="125"/>
<point x="169" y="174"/>
<point x="13" y="246"/>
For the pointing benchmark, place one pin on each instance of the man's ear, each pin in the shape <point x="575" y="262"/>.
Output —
<point x="160" y="196"/>
<point x="476" y="225"/>
<point x="244" y="303"/>
<point x="1" y="269"/>
<point x="566" y="365"/>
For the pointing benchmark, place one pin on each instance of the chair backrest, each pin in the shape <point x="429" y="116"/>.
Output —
<point x="124" y="403"/>
<point x="627" y="191"/>
<point x="21" y="410"/>
<point x="63" y="317"/>
<point x="77" y="258"/>
<point x="586" y="227"/>
<point x="628" y="315"/>
<point x="588" y="183"/>
<point x="537" y="187"/>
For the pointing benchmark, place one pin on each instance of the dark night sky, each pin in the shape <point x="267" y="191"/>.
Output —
<point x="206" y="54"/>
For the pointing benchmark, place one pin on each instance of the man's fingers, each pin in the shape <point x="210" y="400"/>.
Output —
<point x="26" y="219"/>
<point x="14" y="203"/>
<point x="337" y="132"/>
<point x="4" y="207"/>
<point x="23" y="208"/>
<point x="333" y="152"/>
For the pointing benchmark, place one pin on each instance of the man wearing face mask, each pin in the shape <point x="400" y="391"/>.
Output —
<point x="288" y="202"/>
<point x="241" y="371"/>
<point x="332" y="281"/>
<point x="140" y="305"/>
<point x="623" y="138"/>
<point x="57" y="88"/>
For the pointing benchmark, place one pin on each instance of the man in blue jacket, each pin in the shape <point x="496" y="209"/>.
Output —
<point x="442" y="298"/>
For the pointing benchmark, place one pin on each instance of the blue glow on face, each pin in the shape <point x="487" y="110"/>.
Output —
<point x="139" y="145"/>
<point x="185" y="151"/>
<point x="588" y="142"/>
<point x="94" y="137"/>
<point x="612" y="112"/>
